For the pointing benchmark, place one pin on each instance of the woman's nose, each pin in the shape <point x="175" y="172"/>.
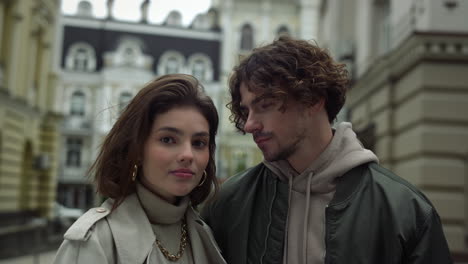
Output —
<point x="186" y="153"/>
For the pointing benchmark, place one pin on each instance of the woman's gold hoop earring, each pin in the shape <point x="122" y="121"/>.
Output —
<point x="135" y="172"/>
<point x="204" y="176"/>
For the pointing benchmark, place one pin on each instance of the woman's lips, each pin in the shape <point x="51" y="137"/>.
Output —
<point x="183" y="173"/>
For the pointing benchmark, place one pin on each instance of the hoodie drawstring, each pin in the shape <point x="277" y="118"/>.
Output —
<point x="306" y="220"/>
<point x="286" y="250"/>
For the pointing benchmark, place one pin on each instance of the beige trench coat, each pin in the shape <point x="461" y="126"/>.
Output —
<point x="125" y="236"/>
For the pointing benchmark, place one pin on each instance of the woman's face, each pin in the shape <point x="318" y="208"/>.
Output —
<point x="176" y="153"/>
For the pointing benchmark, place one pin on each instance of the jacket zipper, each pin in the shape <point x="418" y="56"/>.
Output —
<point x="327" y="235"/>
<point x="269" y="224"/>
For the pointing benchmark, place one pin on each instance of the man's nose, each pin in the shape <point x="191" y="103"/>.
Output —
<point x="252" y="124"/>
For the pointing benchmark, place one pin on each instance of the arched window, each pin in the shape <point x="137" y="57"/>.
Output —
<point x="77" y="105"/>
<point x="171" y="62"/>
<point x="200" y="66"/>
<point x="172" y="66"/>
<point x="283" y="31"/>
<point x="124" y="99"/>
<point x="198" y="70"/>
<point x="74" y="146"/>
<point x="246" y="37"/>
<point x="80" y="57"/>
<point x="81" y="60"/>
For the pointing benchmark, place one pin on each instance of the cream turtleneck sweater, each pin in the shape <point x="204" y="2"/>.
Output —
<point x="165" y="219"/>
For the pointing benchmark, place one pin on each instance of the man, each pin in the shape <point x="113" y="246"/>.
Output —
<point x="319" y="196"/>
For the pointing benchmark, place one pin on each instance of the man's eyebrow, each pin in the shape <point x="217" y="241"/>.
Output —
<point x="258" y="99"/>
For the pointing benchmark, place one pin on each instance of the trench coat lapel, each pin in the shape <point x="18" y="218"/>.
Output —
<point x="203" y="242"/>
<point x="133" y="235"/>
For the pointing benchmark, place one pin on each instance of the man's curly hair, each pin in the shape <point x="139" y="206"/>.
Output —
<point x="289" y="68"/>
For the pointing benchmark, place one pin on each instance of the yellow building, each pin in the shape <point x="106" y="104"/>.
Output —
<point x="28" y="124"/>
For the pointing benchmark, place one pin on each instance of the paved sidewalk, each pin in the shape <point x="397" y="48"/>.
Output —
<point x="42" y="258"/>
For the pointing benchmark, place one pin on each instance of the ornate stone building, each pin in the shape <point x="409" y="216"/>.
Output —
<point x="409" y="97"/>
<point x="103" y="63"/>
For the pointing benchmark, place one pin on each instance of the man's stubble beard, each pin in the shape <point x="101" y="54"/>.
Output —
<point x="288" y="151"/>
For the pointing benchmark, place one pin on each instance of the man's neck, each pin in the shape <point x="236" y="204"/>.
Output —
<point x="314" y="146"/>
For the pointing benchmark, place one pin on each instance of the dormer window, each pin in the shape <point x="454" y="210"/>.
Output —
<point x="171" y="62"/>
<point x="198" y="70"/>
<point x="200" y="66"/>
<point x="172" y="66"/>
<point x="81" y="57"/>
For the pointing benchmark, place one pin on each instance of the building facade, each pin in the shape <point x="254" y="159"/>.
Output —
<point x="28" y="123"/>
<point x="247" y="24"/>
<point x="103" y="63"/>
<point x="409" y="96"/>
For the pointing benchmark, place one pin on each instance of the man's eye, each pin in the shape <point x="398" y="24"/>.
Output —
<point x="266" y="105"/>
<point x="167" y="140"/>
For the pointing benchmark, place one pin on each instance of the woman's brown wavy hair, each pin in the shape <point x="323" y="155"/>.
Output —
<point x="289" y="69"/>
<point x="123" y="146"/>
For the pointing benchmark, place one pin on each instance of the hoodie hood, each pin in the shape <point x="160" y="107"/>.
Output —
<point x="312" y="190"/>
<point x="343" y="153"/>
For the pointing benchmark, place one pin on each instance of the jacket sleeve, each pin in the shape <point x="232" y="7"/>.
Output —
<point x="431" y="247"/>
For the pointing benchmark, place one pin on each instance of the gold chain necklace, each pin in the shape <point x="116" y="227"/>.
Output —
<point x="183" y="244"/>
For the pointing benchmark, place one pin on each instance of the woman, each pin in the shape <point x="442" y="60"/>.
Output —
<point x="156" y="163"/>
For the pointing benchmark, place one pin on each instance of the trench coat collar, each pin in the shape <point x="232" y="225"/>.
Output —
<point x="133" y="235"/>
<point x="134" y="238"/>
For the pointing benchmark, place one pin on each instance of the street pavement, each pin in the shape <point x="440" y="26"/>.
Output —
<point x="41" y="258"/>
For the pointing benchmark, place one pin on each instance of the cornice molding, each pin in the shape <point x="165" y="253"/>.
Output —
<point x="419" y="47"/>
<point x="141" y="28"/>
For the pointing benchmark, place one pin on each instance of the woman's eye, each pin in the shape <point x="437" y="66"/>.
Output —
<point x="167" y="140"/>
<point x="200" y="143"/>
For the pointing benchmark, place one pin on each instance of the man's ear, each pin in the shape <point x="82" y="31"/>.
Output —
<point x="317" y="107"/>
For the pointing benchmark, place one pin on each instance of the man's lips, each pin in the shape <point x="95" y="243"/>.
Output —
<point x="260" y="140"/>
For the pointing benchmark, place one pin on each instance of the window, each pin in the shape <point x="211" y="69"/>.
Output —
<point x="198" y="70"/>
<point x="382" y="26"/>
<point x="80" y="62"/>
<point x="200" y="66"/>
<point x="124" y="99"/>
<point x="172" y="66"/>
<point x="77" y="105"/>
<point x="74" y="146"/>
<point x="80" y="57"/>
<point x="171" y="62"/>
<point x="129" y="56"/>
<point x="246" y="37"/>
<point x="282" y="31"/>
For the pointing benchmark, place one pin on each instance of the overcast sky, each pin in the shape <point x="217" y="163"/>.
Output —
<point x="130" y="9"/>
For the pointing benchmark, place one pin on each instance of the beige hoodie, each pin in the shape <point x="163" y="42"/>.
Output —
<point x="312" y="190"/>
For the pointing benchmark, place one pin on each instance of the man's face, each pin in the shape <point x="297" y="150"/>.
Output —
<point x="279" y="135"/>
